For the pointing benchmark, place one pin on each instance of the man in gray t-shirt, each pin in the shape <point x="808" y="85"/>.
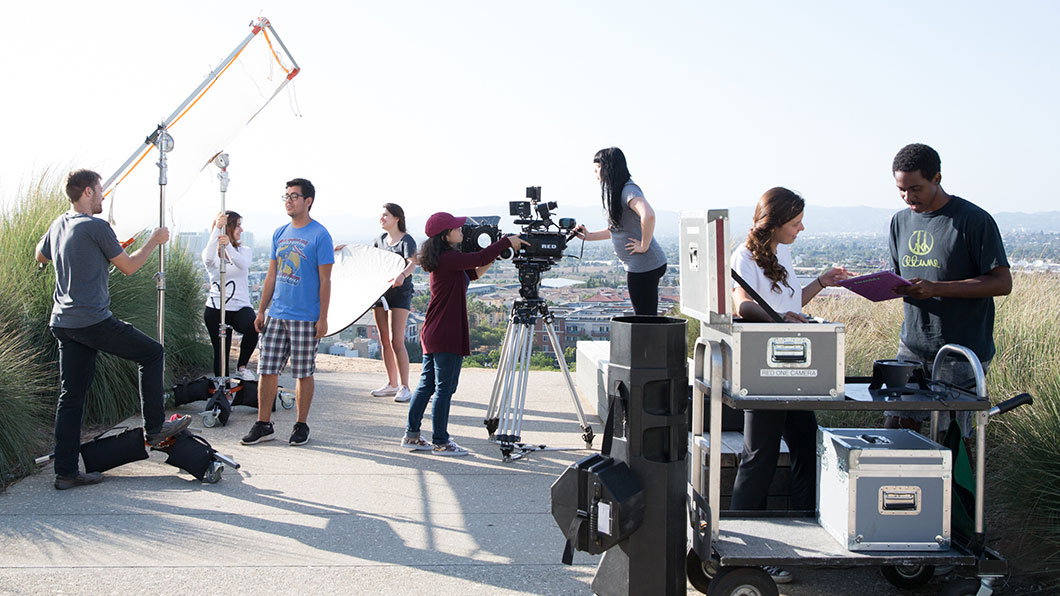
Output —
<point x="952" y="252"/>
<point x="82" y="248"/>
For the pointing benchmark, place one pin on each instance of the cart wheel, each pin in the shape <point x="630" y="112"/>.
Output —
<point x="742" y="581"/>
<point x="908" y="576"/>
<point x="213" y="473"/>
<point x="209" y="419"/>
<point x="697" y="572"/>
<point x="286" y="399"/>
<point x="961" y="587"/>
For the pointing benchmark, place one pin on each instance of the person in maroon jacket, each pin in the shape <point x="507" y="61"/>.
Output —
<point x="444" y="335"/>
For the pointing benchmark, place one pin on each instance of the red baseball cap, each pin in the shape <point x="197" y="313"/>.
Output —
<point x="442" y="221"/>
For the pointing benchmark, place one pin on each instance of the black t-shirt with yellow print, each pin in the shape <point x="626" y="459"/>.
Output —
<point x="958" y="241"/>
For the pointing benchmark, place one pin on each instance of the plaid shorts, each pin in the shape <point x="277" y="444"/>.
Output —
<point x="285" y="338"/>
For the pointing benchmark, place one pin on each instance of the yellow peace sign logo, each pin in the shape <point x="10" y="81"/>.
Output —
<point x="921" y="242"/>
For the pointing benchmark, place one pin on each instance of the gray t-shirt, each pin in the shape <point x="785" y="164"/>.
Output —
<point x="80" y="247"/>
<point x="958" y="241"/>
<point x="406" y="247"/>
<point x="629" y="227"/>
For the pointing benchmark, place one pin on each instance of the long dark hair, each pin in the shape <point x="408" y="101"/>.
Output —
<point x="776" y="207"/>
<point x="432" y="249"/>
<point x="230" y="227"/>
<point x="613" y="176"/>
<point x="396" y="210"/>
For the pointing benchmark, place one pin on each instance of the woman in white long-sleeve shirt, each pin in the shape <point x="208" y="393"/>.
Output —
<point x="239" y="313"/>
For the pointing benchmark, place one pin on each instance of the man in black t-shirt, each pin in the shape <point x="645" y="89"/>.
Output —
<point x="952" y="252"/>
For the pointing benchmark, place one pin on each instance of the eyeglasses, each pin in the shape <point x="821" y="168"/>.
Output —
<point x="291" y="196"/>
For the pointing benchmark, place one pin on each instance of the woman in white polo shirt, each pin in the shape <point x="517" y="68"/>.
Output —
<point x="764" y="262"/>
<point x="226" y="235"/>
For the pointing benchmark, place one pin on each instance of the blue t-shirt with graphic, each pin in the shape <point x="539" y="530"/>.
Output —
<point x="298" y="252"/>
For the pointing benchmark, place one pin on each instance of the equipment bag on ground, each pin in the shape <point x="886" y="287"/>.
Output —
<point x="195" y="390"/>
<point x="190" y="453"/>
<point x="114" y="447"/>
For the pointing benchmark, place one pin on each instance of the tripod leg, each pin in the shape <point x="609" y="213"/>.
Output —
<point x="588" y="430"/>
<point x="510" y="364"/>
<point x="524" y="377"/>
<point x="491" y="411"/>
<point x="511" y="384"/>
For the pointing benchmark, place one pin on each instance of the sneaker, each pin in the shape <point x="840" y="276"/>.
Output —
<point x="449" y="448"/>
<point x="780" y="576"/>
<point x="385" y="391"/>
<point x="416" y="444"/>
<point x="300" y="434"/>
<point x="259" y="433"/>
<point x="169" y="428"/>
<point x="246" y="374"/>
<point x="77" y="479"/>
<point x="403" y="394"/>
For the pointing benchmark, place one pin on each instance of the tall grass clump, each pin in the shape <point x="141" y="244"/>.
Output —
<point x="29" y="354"/>
<point x="1028" y="439"/>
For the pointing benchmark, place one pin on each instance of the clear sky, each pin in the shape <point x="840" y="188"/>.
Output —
<point x="435" y="104"/>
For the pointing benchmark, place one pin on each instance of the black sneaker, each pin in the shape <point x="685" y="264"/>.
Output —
<point x="169" y="429"/>
<point x="259" y="433"/>
<point x="300" y="434"/>
<point x="77" y="479"/>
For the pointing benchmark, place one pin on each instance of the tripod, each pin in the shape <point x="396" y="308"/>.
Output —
<point x="504" y="418"/>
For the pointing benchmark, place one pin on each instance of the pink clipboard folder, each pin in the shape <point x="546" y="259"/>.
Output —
<point x="875" y="286"/>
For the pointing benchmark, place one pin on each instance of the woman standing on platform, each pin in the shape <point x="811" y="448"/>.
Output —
<point x="444" y="336"/>
<point x="224" y="243"/>
<point x="631" y="227"/>
<point x="392" y="310"/>
<point x="764" y="262"/>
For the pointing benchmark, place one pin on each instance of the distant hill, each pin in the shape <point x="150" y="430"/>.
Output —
<point x="818" y="221"/>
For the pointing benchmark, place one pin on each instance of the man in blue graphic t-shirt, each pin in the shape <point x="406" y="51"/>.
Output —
<point x="296" y="296"/>
<point x="952" y="252"/>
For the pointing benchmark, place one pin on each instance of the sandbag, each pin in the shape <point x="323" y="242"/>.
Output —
<point x="107" y="451"/>
<point x="194" y="390"/>
<point x="190" y="453"/>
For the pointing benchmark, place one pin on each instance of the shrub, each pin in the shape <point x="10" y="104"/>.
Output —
<point x="28" y="354"/>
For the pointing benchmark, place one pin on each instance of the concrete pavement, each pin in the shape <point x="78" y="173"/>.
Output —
<point x="348" y="513"/>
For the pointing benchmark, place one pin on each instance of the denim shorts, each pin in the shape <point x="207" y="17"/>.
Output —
<point x="399" y="297"/>
<point x="285" y="339"/>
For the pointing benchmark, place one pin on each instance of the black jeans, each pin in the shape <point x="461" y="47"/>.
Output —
<point x="241" y="320"/>
<point x="762" y="430"/>
<point x="77" y="365"/>
<point x="644" y="290"/>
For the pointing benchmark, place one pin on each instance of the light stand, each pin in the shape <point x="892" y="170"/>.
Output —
<point x="504" y="417"/>
<point x="221" y="161"/>
<point x="219" y="406"/>
<point x="162" y="141"/>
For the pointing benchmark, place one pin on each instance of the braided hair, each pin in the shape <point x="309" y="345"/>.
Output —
<point x="776" y="207"/>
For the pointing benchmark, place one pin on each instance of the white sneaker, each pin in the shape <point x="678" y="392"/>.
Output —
<point x="780" y="576"/>
<point x="403" y="394"/>
<point x="449" y="448"/>
<point x="246" y="374"/>
<point x="416" y="444"/>
<point x="385" y="391"/>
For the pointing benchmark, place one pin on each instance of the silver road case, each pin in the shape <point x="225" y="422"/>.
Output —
<point x="883" y="489"/>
